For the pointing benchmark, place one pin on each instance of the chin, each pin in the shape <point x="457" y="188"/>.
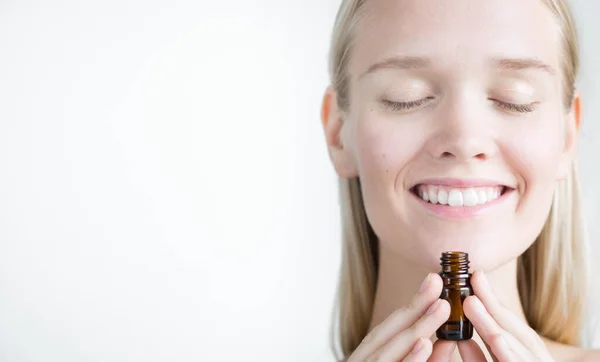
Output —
<point x="486" y="252"/>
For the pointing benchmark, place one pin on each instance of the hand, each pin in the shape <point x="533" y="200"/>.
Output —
<point x="506" y="337"/>
<point x="404" y="335"/>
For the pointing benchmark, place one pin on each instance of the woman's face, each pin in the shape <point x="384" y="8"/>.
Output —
<point x="457" y="126"/>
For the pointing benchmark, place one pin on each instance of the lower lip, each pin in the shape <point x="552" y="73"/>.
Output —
<point x="462" y="212"/>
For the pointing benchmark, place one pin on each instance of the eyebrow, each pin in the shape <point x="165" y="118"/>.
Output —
<point x="403" y="63"/>
<point x="412" y="62"/>
<point x="523" y="63"/>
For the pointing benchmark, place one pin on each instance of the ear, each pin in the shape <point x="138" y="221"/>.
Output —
<point x="573" y="127"/>
<point x="333" y="123"/>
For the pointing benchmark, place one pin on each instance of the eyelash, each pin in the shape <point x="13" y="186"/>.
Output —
<point x="520" y="108"/>
<point x="402" y="106"/>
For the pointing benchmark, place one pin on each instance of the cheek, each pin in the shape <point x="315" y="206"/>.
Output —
<point x="535" y="152"/>
<point x="384" y="147"/>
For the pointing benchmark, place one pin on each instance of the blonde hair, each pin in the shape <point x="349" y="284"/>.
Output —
<point x="552" y="273"/>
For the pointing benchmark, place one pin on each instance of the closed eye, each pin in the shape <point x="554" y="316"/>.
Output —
<point x="403" y="106"/>
<point x="513" y="107"/>
<point x="519" y="108"/>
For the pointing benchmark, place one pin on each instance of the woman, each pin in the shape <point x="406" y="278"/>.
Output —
<point x="453" y="125"/>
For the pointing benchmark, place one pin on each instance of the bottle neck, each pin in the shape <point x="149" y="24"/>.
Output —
<point x="455" y="279"/>
<point x="455" y="268"/>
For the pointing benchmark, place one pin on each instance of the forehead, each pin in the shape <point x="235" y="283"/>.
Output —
<point x="458" y="34"/>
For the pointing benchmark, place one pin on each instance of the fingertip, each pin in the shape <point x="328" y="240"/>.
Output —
<point x="475" y="276"/>
<point x="445" y="306"/>
<point x="432" y="290"/>
<point x="427" y="344"/>
<point x="442" y="312"/>
<point x="479" y="281"/>
<point x="471" y="306"/>
<point x="437" y="278"/>
<point x="469" y="300"/>
<point x="436" y="284"/>
<point x="423" y="346"/>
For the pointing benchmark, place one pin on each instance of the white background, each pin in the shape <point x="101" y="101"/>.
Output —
<point x="165" y="191"/>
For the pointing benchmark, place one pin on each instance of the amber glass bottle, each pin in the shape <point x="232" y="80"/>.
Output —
<point x="457" y="286"/>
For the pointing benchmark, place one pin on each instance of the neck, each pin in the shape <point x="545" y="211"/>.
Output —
<point x="399" y="280"/>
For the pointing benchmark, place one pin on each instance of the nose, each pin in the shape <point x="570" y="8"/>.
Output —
<point x="462" y="134"/>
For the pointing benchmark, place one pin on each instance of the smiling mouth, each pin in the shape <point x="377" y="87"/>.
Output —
<point x="459" y="196"/>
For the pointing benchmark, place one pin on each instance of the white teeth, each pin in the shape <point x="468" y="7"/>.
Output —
<point x="494" y="196"/>
<point x="443" y="197"/>
<point x="433" y="196"/>
<point x="457" y="196"/>
<point x="482" y="197"/>
<point x="469" y="197"/>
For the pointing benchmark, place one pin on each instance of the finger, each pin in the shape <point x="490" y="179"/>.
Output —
<point x="401" y="319"/>
<point x="470" y="351"/>
<point x="487" y="347"/>
<point x="426" y="326"/>
<point x="496" y="338"/>
<point x="506" y="319"/>
<point x="442" y="351"/>
<point x="420" y="351"/>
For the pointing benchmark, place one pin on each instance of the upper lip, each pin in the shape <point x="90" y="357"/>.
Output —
<point x="463" y="182"/>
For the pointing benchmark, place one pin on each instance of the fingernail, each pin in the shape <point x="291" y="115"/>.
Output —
<point x="433" y="307"/>
<point x="419" y="346"/>
<point x="425" y="283"/>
